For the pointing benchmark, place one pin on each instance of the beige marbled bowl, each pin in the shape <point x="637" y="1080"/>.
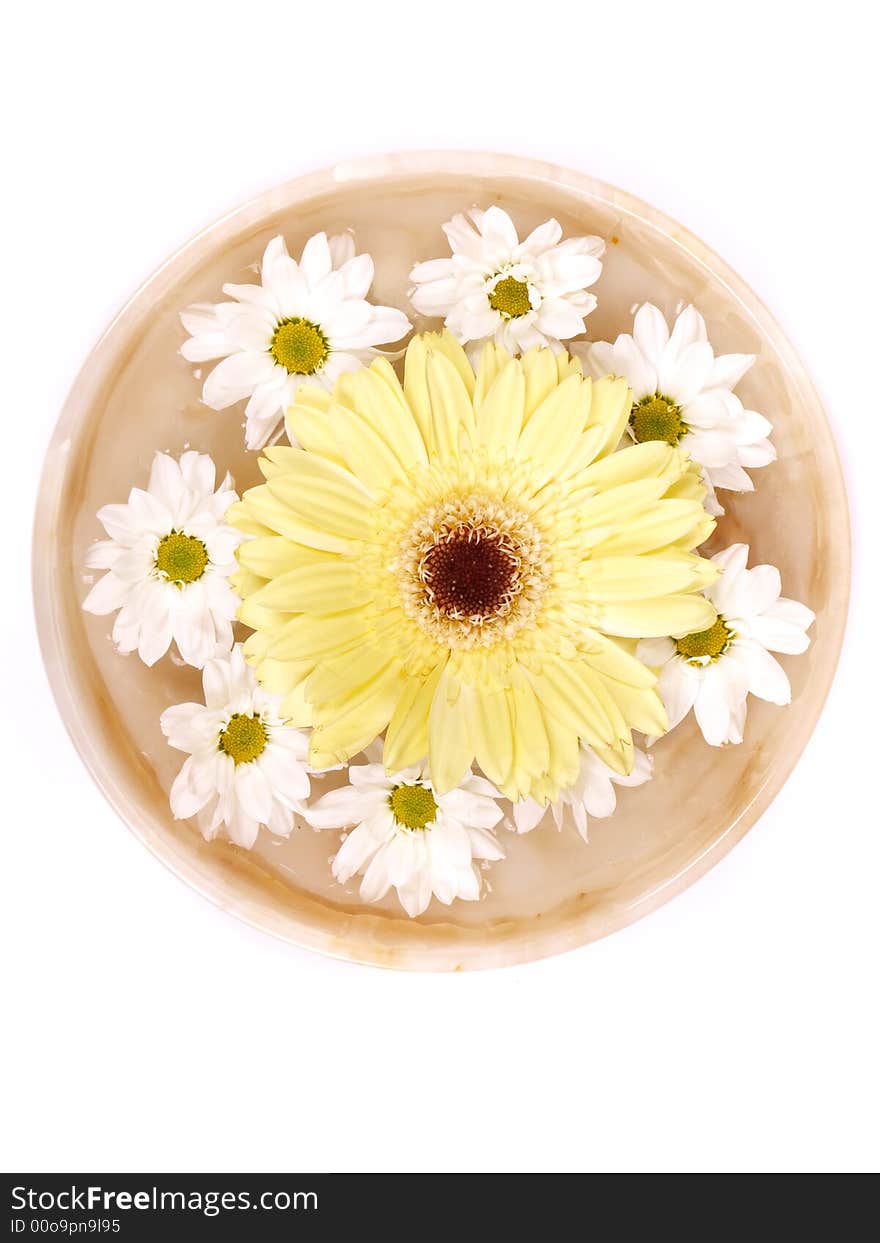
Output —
<point x="136" y="394"/>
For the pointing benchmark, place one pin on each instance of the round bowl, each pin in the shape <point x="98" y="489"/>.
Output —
<point x="136" y="394"/>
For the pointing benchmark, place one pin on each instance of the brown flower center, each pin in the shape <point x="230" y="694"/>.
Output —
<point x="470" y="573"/>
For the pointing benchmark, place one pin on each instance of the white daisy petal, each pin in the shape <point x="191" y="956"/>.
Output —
<point x="108" y="594"/>
<point x="680" y="368"/>
<point x="712" y="707"/>
<point x="343" y="250"/>
<point x="407" y="837"/>
<point x="715" y="671"/>
<point x="238" y="761"/>
<point x="629" y="361"/>
<point x="729" y="369"/>
<point x="766" y="677"/>
<point x="236" y="377"/>
<point x="312" y="310"/>
<point x="169" y="558"/>
<point x="679" y="686"/>
<point x="316" y="261"/>
<point x="354" y="853"/>
<point x="650" y="332"/>
<point x="519" y="295"/>
<point x="682" y="374"/>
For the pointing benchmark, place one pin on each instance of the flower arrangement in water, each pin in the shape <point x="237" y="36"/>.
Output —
<point x="474" y="570"/>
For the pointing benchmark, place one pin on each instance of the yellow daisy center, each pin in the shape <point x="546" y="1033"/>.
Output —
<point x="511" y="297"/>
<point x="472" y="571"/>
<point x="244" y="738"/>
<point x="181" y="558"/>
<point x="705" y="644"/>
<point x="413" y="806"/>
<point x="657" y="418"/>
<point x="299" y="345"/>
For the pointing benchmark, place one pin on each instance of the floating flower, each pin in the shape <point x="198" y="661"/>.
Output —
<point x="409" y="835"/>
<point x="593" y="794"/>
<point x="307" y="321"/>
<point x="451" y="559"/>
<point x="168" y="561"/>
<point x="246" y="765"/>
<point x="518" y="294"/>
<point x="683" y="395"/>
<point x="714" y="670"/>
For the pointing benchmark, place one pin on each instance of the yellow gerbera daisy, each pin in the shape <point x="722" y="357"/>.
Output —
<point x="454" y="561"/>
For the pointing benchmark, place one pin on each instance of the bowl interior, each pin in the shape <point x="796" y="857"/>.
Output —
<point x="137" y="394"/>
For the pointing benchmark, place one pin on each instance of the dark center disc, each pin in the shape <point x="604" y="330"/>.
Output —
<point x="470" y="573"/>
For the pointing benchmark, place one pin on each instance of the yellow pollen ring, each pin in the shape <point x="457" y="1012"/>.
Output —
<point x="705" y="645"/>
<point x="510" y="297"/>
<point x="244" y="738"/>
<point x="181" y="558"/>
<point x="657" y="418"/>
<point x="413" y="806"/>
<point x="299" y="345"/>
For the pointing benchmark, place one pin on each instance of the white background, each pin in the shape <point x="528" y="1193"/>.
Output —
<point x="735" y="1029"/>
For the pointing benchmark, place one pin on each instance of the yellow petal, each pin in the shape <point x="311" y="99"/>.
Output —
<point x="376" y="395"/>
<point x="332" y="585"/>
<point x="615" y="579"/>
<point x="493" y="734"/>
<point x="295" y="709"/>
<point x="452" y="411"/>
<point x="273" y="554"/>
<point x="447" y="344"/>
<point x="406" y="740"/>
<point x="450" y="730"/>
<point x="542" y="376"/>
<point x="574" y="702"/>
<point x="415" y="387"/>
<point x="531" y="743"/>
<point x="585" y="450"/>
<point x="565" y="761"/>
<point x="312" y="636"/>
<point x="654" y="527"/>
<point x="501" y="414"/>
<point x="324" y="495"/>
<point x="608" y="656"/>
<point x="670" y="615"/>
<point x="307" y="425"/>
<point x="610" y="410"/>
<point x="267" y="621"/>
<point x="244" y="583"/>
<point x="344" y="726"/>
<point x="276" y="460"/>
<point x="276" y="517"/>
<point x="548" y="437"/>
<point x="641" y="707"/>
<point x="652" y="460"/>
<point x="367" y="454"/>
<point x="493" y="359"/>
<point x="240" y="516"/>
<point x="338" y="676"/>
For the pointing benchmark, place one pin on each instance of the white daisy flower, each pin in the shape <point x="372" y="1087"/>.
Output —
<point x="410" y="837"/>
<point x="593" y="794"/>
<point x="168" y="561"/>
<point x="497" y="288"/>
<point x="246" y="766"/>
<point x="307" y="322"/>
<point x="684" y="395"/>
<point x="715" y="670"/>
